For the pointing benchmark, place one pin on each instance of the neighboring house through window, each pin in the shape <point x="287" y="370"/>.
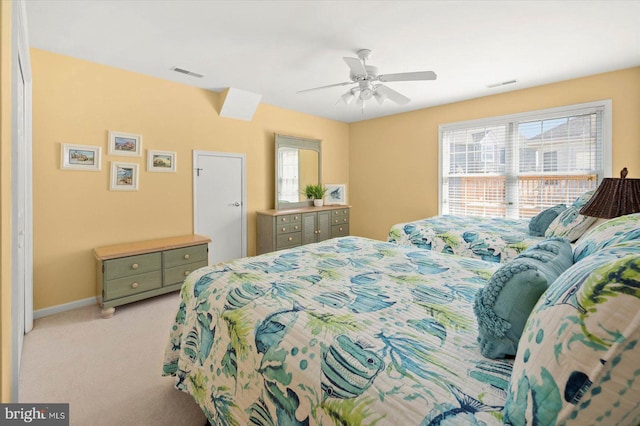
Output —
<point x="518" y="165"/>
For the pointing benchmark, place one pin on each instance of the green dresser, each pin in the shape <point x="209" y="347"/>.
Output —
<point x="281" y="229"/>
<point x="131" y="272"/>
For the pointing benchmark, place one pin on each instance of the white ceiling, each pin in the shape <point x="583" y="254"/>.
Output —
<point x="276" y="48"/>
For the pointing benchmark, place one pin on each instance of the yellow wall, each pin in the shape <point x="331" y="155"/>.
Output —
<point x="5" y="200"/>
<point x="393" y="168"/>
<point x="78" y="102"/>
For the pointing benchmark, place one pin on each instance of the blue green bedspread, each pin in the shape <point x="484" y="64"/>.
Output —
<point x="493" y="239"/>
<point x="347" y="331"/>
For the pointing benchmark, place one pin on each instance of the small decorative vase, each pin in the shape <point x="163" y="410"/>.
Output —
<point x="318" y="202"/>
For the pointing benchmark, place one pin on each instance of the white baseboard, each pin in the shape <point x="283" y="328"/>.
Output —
<point x="64" y="307"/>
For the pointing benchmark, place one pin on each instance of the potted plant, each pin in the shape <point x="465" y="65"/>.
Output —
<point x="315" y="193"/>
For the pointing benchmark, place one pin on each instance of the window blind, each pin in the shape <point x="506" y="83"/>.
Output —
<point x="516" y="166"/>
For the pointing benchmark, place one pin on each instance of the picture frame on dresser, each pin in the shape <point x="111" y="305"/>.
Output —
<point x="80" y="157"/>
<point x="124" y="176"/>
<point x="125" y="144"/>
<point x="336" y="193"/>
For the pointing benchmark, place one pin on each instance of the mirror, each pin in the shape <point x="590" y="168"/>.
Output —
<point x="298" y="164"/>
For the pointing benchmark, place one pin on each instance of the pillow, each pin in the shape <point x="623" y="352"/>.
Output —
<point x="539" y="224"/>
<point x="583" y="199"/>
<point x="504" y="304"/>
<point x="569" y="224"/>
<point x="619" y="229"/>
<point x="577" y="360"/>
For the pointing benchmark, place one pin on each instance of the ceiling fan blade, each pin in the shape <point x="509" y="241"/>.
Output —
<point x="356" y="66"/>
<point x="408" y="76"/>
<point x="392" y="94"/>
<point x="325" y="87"/>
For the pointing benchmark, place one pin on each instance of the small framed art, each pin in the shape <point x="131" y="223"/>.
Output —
<point x="80" y="157"/>
<point x="161" y="161"/>
<point x="124" y="176"/>
<point x="336" y="194"/>
<point x="126" y="144"/>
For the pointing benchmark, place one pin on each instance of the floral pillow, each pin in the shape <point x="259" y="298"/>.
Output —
<point x="577" y="360"/>
<point x="613" y="231"/>
<point x="569" y="224"/>
<point x="583" y="199"/>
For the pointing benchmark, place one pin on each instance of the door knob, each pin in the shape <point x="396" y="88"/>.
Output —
<point x="237" y="204"/>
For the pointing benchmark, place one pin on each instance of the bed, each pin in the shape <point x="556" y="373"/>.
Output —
<point x="492" y="239"/>
<point x="347" y="331"/>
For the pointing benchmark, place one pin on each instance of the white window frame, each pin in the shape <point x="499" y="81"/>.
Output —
<point x="605" y="104"/>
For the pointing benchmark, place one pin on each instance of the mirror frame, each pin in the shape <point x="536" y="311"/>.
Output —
<point x="284" y="141"/>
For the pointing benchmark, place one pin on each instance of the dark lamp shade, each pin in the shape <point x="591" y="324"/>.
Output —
<point x="614" y="197"/>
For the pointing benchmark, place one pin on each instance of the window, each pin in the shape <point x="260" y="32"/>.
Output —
<point x="288" y="174"/>
<point x="516" y="166"/>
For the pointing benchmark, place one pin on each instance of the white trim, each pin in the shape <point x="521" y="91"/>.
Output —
<point x="45" y="312"/>
<point x="528" y="115"/>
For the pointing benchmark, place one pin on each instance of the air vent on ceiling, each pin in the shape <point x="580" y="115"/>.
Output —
<point x="503" y="83"/>
<point x="187" y="72"/>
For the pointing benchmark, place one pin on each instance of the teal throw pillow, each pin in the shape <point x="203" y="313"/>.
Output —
<point x="503" y="306"/>
<point x="539" y="224"/>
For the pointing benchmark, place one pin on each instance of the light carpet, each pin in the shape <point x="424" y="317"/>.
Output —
<point x="108" y="370"/>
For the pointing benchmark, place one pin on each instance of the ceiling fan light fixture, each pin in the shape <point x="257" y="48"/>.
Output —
<point x="348" y="97"/>
<point x="380" y="97"/>
<point x="366" y="94"/>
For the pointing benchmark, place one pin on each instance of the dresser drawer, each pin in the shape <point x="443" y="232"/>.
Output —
<point x="121" y="287"/>
<point x="288" y="228"/>
<point x="132" y="265"/>
<point x="341" y="218"/>
<point x="185" y="256"/>
<point x="177" y="274"/>
<point x="288" y="219"/>
<point x="288" y="240"/>
<point x="339" y="230"/>
<point x="340" y="212"/>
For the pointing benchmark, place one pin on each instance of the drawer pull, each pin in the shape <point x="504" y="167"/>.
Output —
<point x="344" y="220"/>
<point x="295" y="218"/>
<point x="135" y="266"/>
<point x="318" y="231"/>
<point x="296" y="227"/>
<point x="290" y="238"/>
<point x="187" y="256"/>
<point x="284" y="219"/>
<point x="134" y="285"/>
<point x="284" y="229"/>
<point x="336" y="221"/>
<point x="186" y="273"/>
<point x="340" y="229"/>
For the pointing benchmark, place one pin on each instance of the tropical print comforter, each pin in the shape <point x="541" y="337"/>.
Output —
<point x="347" y="331"/>
<point x="492" y="239"/>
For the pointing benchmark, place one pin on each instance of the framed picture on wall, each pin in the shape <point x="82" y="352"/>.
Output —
<point x="161" y="161"/>
<point x="336" y="193"/>
<point x="80" y="157"/>
<point x="124" y="176"/>
<point x="126" y="144"/>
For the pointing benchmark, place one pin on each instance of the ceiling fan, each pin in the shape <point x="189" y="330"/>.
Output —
<point x="369" y="82"/>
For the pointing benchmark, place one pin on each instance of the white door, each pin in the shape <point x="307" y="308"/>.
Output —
<point x="219" y="203"/>
<point x="21" y="195"/>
